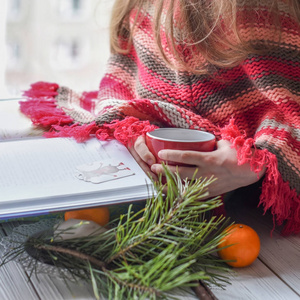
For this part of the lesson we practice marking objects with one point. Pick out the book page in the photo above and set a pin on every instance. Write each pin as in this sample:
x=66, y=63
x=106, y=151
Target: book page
x=43, y=168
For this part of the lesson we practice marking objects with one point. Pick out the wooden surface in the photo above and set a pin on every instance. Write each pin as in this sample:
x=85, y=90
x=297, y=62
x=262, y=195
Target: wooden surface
x=274, y=275
x=276, y=272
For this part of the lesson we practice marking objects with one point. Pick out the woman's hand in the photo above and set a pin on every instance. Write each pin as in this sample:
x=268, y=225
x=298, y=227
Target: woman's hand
x=143, y=156
x=221, y=163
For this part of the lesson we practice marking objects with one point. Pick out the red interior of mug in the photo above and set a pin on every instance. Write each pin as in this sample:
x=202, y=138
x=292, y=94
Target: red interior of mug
x=179, y=139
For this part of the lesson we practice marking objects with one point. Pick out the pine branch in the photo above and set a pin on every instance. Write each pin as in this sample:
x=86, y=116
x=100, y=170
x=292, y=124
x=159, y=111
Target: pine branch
x=170, y=243
x=202, y=292
x=73, y=253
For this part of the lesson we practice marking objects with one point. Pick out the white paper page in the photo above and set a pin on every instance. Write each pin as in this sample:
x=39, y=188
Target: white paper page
x=43, y=168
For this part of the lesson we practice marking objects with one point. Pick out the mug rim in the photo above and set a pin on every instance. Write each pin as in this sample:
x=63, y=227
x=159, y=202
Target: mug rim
x=206, y=136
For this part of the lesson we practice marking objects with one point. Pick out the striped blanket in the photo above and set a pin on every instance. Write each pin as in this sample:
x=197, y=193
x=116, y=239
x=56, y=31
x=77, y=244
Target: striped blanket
x=255, y=105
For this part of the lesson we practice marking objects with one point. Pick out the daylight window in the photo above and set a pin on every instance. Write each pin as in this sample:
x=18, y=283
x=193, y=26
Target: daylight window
x=67, y=54
x=76, y=5
x=63, y=41
x=14, y=9
x=70, y=8
x=13, y=55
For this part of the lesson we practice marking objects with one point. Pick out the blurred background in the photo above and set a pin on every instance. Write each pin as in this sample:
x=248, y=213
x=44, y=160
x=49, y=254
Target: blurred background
x=62, y=41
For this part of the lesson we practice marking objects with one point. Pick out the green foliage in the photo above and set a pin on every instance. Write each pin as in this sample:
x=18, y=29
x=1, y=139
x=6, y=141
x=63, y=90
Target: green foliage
x=171, y=243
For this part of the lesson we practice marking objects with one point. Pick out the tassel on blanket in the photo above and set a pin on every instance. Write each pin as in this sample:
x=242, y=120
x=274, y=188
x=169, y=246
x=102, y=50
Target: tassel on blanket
x=80, y=133
x=44, y=113
x=276, y=195
x=125, y=131
x=42, y=89
x=41, y=107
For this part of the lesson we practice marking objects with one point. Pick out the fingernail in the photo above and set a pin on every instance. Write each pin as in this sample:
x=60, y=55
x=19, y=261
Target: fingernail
x=150, y=162
x=161, y=154
x=153, y=168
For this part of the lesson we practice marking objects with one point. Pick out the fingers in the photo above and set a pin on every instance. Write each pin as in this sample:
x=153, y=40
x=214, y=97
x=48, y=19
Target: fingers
x=196, y=158
x=183, y=172
x=142, y=164
x=196, y=164
x=141, y=161
x=143, y=151
x=193, y=158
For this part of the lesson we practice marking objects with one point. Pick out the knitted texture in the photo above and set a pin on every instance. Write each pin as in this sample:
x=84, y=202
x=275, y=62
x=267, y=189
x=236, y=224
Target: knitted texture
x=255, y=105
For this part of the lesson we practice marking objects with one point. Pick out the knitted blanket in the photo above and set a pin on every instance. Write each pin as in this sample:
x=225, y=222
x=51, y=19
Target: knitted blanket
x=255, y=105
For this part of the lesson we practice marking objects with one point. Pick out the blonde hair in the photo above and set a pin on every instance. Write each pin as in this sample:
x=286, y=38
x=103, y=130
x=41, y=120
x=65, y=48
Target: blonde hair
x=206, y=27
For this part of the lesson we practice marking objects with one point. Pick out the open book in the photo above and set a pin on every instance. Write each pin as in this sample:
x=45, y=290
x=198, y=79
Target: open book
x=40, y=175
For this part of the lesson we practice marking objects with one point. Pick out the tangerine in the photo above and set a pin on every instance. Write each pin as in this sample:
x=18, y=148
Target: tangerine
x=242, y=245
x=99, y=215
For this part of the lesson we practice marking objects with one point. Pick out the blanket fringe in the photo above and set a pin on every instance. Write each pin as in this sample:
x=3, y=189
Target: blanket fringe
x=80, y=133
x=42, y=89
x=276, y=196
x=41, y=106
x=44, y=113
x=125, y=131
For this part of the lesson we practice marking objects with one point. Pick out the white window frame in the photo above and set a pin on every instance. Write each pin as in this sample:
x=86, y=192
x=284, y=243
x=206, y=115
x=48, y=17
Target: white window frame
x=3, y=56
